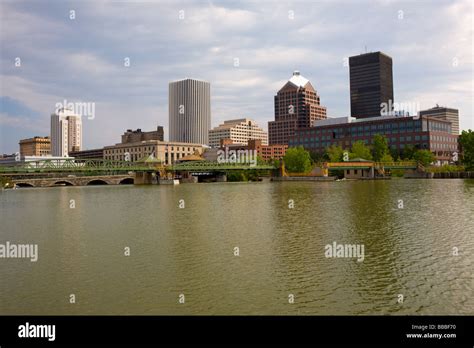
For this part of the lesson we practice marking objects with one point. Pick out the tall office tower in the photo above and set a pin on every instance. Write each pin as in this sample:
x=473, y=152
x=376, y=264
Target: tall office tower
x=371, y=84
x=444, y=113
x=66, y=132
x=297, y=105
x=189, y=111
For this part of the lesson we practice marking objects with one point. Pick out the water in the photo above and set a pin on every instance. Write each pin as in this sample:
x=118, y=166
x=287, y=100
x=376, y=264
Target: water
x=190, y=251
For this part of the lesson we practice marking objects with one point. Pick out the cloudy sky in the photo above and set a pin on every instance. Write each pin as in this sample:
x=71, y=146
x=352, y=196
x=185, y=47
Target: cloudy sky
x=82, y=59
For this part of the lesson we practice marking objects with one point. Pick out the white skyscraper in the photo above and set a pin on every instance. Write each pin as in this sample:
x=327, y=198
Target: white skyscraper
x=189, y=111
x=66, y=132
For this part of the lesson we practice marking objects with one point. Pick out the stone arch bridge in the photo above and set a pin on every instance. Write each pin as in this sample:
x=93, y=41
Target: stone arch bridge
x=75, y=181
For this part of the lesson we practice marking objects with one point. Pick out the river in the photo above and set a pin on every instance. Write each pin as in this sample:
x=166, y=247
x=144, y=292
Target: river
x=241, y=248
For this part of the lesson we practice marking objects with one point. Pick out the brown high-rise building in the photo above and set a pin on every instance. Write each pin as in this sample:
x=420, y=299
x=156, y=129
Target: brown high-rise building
x=297, y=105
x=371, y=84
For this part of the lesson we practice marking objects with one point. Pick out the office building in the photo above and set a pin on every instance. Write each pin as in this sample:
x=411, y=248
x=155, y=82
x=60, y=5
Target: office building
x=444, y=113
x=164, y=151
x=265, y=152
x=420, y=133
x=88, y=154
x=189, y=111
x=36, y=146
x=297, y=105
x=240, y=131
x=66, y=132
x=133, y=136
x=371, y=84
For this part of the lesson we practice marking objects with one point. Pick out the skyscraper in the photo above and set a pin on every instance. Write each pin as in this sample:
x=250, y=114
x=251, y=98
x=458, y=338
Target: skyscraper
x=371, y=84
x=297, y=105
x=444, y=113
x=189, y=111
x=66, y=132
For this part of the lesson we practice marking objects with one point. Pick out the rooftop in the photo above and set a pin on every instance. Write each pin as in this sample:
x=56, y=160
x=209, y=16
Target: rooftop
x=298, y=80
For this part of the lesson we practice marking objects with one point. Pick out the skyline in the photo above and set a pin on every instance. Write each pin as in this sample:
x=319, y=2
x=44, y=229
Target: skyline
x=90, y=51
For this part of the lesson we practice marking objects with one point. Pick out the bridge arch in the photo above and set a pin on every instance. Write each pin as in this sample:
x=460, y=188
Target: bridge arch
x=62, y=183
x=24, y=184
x=127, y=181
x=97, y=182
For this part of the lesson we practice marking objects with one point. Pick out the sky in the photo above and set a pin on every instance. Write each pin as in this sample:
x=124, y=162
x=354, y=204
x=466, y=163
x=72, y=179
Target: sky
x=49, y=54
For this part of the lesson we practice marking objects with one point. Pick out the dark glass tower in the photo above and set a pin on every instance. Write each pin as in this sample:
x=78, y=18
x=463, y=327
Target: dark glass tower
x=371, y=83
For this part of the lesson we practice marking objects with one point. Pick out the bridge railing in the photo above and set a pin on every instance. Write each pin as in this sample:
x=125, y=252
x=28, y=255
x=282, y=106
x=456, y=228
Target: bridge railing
x=402, y=164
x=206, y=165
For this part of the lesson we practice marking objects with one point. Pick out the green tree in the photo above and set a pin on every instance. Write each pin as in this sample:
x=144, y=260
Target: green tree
x=260, y=160
x=395, y=154
x=360, y=150
x=334, y=153
x=380, y=147
x=317, y=157
x=424, y=157
x=466, y=140
x=297, y=160
x=408, y=152
x=386, y=158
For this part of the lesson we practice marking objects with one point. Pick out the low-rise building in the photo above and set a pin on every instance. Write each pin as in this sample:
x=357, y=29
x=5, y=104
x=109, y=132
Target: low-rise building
x=88, y=154
x=36, y=146
x=134, y=136
x=401, y=132
x=240, y=131
x=164, y=151
x=34, y=161
x=265, y=152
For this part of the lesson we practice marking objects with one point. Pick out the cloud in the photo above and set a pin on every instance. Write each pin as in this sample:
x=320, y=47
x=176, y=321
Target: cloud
x=83, y=59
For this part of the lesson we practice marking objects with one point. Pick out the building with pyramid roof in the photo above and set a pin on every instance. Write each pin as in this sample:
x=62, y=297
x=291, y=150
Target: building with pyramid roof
x=297, y=105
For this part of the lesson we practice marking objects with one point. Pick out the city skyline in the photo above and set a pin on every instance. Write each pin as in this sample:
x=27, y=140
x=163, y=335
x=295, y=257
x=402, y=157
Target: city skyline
x=245, y=71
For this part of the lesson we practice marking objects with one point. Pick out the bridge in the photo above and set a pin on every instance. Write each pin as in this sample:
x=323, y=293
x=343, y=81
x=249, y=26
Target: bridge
x=75, y=181
x=205, y=166
x=79, y=166
x=370, y=164
x=81, y=172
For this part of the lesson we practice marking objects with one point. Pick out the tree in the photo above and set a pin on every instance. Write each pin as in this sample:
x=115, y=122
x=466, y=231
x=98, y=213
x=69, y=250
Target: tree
x=360, y=150
x=386, y=158
x=380, y=147
x=466, y=141
x=408, y=152
x=395, y=154
x=317, y=157
x=260, y=160
x=297, y=160
x=334, y=153
x=424, y=157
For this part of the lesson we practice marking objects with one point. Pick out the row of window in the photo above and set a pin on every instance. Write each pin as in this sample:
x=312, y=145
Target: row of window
x=444, y=139
x=367, y=141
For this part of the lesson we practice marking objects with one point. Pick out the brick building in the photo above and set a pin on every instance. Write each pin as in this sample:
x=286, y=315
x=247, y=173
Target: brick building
x=297, y=105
